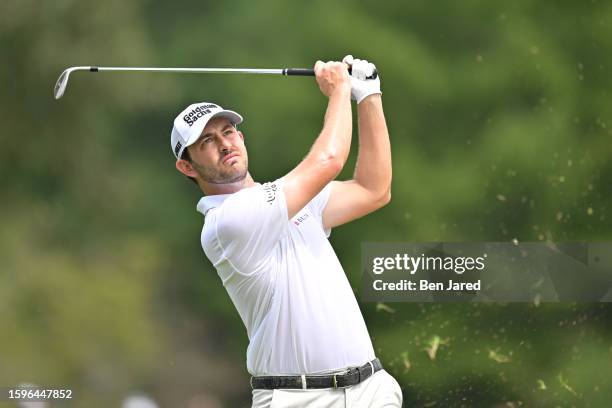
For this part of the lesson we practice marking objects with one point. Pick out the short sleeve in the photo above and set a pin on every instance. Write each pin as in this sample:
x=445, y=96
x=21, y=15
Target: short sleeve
x=250, y=223
x=318, y=203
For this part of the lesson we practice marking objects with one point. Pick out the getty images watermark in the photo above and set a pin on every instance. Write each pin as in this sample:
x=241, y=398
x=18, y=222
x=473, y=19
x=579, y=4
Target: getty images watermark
x=493, y=271
x=412, y=264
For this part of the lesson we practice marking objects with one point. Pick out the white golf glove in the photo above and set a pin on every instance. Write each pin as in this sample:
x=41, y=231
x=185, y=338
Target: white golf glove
x=360, y=86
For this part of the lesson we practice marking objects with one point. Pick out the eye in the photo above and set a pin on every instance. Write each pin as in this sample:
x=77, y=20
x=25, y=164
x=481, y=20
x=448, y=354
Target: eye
x=207, y=140
x=228, y=132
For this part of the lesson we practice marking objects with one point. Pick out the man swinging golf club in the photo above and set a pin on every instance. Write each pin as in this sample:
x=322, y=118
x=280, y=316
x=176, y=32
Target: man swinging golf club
x=308, y=342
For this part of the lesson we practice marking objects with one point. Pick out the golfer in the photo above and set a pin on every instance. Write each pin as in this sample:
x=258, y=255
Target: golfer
x=308, y=343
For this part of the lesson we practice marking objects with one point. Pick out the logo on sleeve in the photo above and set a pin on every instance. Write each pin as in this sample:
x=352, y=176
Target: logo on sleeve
x=270, y=192
x=301, y=219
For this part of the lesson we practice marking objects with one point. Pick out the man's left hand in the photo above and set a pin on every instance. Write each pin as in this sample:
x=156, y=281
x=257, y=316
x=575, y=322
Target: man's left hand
x=361, y=87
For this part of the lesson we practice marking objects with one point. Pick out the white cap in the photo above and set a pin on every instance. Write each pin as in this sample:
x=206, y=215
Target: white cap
x=190, y=123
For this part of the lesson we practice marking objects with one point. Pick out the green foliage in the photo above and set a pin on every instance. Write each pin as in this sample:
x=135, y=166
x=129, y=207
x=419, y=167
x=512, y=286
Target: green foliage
x=500, y=127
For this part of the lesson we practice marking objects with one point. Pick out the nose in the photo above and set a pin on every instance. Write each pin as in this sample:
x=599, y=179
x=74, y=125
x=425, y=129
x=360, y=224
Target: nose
x=225, y=145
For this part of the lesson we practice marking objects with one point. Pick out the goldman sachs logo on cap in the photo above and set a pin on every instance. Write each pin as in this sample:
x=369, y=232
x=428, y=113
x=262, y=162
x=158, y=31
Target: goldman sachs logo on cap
x=201, y=110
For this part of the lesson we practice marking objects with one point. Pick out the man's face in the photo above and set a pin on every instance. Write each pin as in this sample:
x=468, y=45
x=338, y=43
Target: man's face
x=219, y=155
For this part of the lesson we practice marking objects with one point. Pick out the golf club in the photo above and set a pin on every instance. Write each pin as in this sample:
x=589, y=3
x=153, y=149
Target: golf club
x=62, y=81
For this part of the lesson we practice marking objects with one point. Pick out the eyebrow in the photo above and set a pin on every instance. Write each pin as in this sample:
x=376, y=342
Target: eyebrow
x=222, y=130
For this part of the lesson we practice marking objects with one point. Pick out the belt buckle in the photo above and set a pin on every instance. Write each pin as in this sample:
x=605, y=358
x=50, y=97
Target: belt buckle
x=335, y=381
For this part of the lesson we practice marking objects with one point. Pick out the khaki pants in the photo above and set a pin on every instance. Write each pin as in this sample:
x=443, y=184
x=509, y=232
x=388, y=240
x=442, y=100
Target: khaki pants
x=379, y=391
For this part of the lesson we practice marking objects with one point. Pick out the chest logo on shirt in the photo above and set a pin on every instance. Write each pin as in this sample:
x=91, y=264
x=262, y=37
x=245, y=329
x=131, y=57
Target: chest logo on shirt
x=270, y=192
x=301, y=219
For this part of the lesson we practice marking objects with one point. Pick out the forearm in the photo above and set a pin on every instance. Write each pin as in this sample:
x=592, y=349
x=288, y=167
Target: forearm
x=373, y=167
x=334, y=141
x=326, y=157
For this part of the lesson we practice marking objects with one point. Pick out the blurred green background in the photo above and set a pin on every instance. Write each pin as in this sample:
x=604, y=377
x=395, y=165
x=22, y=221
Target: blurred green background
x=499, y=116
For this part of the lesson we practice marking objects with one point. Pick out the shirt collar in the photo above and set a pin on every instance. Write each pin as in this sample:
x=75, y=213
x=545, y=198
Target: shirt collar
x=209, y=202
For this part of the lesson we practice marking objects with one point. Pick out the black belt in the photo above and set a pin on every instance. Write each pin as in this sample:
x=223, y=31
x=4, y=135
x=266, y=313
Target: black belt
x=353, y=376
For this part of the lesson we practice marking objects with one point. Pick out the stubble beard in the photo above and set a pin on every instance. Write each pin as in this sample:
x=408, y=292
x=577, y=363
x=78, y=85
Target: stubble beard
x=216, y=175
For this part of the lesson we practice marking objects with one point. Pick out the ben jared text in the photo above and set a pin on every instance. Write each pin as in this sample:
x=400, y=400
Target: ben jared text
x=425, y=285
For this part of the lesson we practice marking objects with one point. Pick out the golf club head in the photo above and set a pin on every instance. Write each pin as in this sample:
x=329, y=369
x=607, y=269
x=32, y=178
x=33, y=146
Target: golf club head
x=62, y=82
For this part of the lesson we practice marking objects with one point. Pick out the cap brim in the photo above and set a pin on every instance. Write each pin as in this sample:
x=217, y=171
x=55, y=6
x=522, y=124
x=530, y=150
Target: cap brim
x=196, y=131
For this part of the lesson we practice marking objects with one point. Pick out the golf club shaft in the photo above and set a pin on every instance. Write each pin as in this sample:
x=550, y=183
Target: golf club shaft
x=283, y=71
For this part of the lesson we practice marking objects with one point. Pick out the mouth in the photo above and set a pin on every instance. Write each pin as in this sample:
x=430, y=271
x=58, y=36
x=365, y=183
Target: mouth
x=229, y=157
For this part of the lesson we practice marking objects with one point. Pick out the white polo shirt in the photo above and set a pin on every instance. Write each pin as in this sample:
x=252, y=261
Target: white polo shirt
x=286, y=282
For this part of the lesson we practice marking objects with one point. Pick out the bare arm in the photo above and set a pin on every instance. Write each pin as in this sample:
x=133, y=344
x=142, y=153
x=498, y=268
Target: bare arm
x=370, y=187
x=330, y=150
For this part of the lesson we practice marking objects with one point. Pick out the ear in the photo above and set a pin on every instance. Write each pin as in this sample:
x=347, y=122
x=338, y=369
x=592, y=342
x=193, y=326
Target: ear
x=186, y=168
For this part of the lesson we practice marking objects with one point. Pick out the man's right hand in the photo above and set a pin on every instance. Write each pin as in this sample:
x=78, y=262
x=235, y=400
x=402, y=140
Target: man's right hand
x=332, y=77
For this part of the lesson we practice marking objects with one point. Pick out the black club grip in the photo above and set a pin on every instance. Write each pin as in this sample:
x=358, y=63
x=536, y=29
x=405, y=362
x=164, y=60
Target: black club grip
x=310, y=72
x=298, y=71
